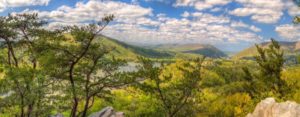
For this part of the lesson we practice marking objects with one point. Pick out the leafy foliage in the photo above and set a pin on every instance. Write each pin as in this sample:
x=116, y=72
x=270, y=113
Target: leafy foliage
x=174, y=89
x=77, y=71
x=271, y=62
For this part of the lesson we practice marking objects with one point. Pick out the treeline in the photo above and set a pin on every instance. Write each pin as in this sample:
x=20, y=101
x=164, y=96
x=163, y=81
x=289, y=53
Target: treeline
x=68, y=70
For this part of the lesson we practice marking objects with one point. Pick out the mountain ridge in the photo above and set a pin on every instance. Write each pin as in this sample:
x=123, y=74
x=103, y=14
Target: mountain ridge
x=160, y=51
x=196, y=48
x=289, y=48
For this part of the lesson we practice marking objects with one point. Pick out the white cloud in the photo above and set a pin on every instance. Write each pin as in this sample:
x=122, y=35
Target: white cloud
x=289, y=31
x=201, y=28
x=197, y=14
x=293, y=9
x=263, y=11
x=201, y=4
x=137, y=24
x=161, y=1
x=246, y=26
x=255, y=29
x=184, y=2
x=208, y=18
x=185, y=14
x=2, y=7
x=95, y=10
x=19, y=3
x=239, y=24
x=217, y=9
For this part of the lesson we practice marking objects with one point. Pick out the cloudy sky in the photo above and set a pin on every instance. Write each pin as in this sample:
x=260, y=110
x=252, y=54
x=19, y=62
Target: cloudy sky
x=230, y=25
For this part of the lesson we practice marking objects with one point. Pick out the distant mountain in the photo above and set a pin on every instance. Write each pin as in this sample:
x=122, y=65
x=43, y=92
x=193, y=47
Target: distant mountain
x=128, y=51
x=192, y=49
x=131, y=52
x=290, y=49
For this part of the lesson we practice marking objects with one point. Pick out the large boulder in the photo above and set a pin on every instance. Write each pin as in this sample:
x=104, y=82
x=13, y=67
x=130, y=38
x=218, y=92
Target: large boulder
x=270, y=108
x=107, y=112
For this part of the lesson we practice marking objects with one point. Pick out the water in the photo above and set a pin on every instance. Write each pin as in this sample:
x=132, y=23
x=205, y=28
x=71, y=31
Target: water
x=130, y=67
x=133, y=67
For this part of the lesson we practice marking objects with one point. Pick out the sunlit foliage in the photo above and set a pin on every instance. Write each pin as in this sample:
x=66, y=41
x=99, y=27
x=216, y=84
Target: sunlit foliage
x=74, y=71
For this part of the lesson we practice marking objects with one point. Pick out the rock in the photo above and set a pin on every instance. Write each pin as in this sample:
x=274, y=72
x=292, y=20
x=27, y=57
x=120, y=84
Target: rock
x=107, y=112
x=270, y=108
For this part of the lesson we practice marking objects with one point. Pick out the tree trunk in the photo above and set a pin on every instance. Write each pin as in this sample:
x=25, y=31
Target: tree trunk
x=8, y=57
x=74, y=109
x=22, y=114
x=30, y=109
x=86, y=107
x=11, y=52
x=75, y=99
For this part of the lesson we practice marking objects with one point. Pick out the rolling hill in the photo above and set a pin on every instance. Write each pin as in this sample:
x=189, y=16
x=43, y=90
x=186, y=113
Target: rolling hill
x=289, y=48
x=169, y=51
x=131, y=52
x=192, y=49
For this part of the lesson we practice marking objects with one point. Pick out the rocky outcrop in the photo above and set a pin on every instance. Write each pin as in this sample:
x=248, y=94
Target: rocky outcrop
x=270, y=108
x=107, y=112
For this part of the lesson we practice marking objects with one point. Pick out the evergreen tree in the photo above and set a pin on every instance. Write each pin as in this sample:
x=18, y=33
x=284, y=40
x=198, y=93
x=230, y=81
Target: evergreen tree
x=80, y=61
x=271, y=61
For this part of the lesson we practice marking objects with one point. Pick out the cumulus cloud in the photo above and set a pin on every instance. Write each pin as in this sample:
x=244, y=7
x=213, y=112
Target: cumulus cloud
x=217, y=9
x=246, y=26
x=293, y=9
x=161, y=1
x=184, y=2
x=2, y=7
x=201, y=28
x=201, y=4
x=289, y=31
x=183, y=31
x=95, y=10
x=19, y=3
x=185, y=14
x=239, y=24
x=263, y=11
x=138, y=24
x=255, y=29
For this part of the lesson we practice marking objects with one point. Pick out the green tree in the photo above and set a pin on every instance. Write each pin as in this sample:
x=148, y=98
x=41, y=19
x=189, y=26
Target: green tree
x=79, y=60
x=235, y=105
x=271, y=61
x=26, y=89
x=298, y=59
x=173, y=91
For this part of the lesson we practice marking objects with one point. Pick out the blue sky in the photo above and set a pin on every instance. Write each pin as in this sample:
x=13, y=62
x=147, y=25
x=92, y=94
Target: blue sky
x=230, y=25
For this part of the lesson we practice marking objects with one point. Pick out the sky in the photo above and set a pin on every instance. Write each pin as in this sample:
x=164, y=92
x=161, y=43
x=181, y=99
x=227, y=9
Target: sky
x=230, y=25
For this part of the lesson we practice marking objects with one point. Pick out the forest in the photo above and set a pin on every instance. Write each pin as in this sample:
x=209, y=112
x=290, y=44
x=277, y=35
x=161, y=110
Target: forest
x=73, y=72
x=76, y=71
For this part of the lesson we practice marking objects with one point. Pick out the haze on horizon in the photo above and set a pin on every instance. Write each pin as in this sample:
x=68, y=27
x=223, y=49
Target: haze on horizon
x=230, y=25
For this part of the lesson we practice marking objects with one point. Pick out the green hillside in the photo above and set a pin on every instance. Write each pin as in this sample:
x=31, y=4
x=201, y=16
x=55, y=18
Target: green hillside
x=130, y=52
x=290, y=48
x=193, y=49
